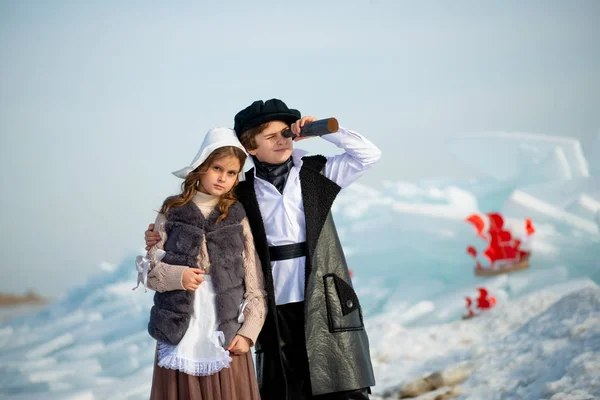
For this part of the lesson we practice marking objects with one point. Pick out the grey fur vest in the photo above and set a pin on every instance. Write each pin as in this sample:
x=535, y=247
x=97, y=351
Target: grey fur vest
x=186, y=227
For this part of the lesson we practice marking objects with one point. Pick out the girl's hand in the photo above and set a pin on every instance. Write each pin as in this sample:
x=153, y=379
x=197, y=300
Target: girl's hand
x=239, y=345
x=297, y=127
x=151, y=237
x=192, y=278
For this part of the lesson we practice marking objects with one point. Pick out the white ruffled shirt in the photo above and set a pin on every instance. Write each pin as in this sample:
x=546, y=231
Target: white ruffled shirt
x=283, y=213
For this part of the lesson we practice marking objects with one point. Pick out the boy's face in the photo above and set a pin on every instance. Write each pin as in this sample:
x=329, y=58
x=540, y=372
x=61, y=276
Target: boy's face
x=272, y=146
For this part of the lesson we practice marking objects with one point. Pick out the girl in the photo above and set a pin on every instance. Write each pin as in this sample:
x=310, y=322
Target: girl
x=210, y=301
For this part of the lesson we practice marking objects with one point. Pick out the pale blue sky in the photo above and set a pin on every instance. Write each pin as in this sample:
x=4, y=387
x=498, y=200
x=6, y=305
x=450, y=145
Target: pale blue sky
x=100, y=101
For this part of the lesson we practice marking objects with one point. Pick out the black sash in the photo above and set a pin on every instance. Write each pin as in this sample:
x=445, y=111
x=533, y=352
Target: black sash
x=287, y=251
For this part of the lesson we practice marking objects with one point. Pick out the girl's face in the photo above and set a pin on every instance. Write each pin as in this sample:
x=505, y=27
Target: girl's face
x=220, y=177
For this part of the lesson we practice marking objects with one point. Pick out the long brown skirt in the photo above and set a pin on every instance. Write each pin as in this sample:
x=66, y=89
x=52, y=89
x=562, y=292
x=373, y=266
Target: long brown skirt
x=238, y=382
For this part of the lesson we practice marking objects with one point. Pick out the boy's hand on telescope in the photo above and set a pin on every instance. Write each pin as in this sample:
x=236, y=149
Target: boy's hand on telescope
x=296, y=127
x=151, y=237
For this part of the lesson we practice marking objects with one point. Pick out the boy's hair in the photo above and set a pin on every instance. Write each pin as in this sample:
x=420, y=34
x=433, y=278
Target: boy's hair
x=191, y=184
x=248, y=137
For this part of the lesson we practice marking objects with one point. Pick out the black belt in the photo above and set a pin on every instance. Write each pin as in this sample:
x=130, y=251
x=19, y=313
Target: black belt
x=287, y=251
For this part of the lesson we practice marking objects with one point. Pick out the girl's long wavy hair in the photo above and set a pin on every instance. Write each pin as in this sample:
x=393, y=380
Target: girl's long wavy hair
x=191, y=184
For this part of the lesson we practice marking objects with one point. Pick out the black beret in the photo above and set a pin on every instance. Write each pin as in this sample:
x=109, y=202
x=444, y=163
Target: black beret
x=260, y=112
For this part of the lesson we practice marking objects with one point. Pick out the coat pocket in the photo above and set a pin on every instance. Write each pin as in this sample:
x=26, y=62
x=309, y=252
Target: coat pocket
x=343, y=310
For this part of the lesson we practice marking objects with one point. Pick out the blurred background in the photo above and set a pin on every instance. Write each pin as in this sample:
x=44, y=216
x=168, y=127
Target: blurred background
x=101, y=101
x=477, y=107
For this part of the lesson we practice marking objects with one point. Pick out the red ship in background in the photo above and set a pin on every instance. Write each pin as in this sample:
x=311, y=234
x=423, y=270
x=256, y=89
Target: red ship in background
x=483, y=302
x=504, y=252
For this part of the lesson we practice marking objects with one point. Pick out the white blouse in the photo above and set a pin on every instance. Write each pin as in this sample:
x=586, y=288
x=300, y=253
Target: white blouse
x=283, y=213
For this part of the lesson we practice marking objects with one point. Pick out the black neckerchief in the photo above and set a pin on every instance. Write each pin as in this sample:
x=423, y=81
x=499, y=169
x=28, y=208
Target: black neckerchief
x=276, y=174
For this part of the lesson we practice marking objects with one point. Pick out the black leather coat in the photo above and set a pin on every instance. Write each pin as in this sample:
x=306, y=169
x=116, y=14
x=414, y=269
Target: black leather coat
x=336, y=341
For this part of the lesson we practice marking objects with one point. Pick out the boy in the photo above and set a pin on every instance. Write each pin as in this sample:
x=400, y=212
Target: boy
x=313, y=344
